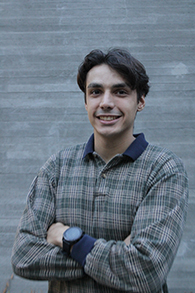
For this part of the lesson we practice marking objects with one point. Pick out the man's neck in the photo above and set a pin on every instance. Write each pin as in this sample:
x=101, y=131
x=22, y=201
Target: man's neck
x=107, y=147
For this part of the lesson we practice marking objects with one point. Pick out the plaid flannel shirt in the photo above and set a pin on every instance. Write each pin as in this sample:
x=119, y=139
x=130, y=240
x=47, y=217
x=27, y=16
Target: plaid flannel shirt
x=142, y=193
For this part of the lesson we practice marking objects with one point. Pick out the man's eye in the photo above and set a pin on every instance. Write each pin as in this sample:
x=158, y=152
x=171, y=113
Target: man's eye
x=121, y=92
x=95, y=92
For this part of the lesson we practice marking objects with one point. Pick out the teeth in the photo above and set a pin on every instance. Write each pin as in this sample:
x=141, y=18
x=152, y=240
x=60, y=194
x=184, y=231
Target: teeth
x=108, y=118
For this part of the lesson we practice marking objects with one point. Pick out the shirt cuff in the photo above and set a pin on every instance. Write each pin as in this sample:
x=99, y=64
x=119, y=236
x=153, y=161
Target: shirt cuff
x=81, y=249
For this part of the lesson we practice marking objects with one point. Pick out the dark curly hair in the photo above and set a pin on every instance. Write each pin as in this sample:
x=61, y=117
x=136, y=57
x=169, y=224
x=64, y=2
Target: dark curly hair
x=129, y=68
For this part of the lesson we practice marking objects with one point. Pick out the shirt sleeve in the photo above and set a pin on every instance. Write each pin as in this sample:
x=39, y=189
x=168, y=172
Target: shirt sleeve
x=32, y=256
x=143, y=265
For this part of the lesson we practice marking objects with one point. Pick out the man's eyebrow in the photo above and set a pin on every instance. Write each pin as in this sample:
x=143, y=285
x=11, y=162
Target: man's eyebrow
x=94, y=85
x=98, y=85
x=120, y=85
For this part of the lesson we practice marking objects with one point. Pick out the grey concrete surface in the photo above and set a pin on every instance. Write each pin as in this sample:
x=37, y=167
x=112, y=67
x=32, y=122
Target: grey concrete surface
x=42, y=43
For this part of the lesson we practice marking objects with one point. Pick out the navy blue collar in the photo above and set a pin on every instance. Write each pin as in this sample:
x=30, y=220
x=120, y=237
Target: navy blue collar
x=135, y=149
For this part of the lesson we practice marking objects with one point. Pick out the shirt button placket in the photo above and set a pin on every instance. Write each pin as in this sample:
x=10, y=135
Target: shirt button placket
x=104, y=175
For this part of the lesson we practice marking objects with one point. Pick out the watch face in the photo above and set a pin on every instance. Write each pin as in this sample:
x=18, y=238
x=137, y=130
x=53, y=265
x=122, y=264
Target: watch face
x=73, y=233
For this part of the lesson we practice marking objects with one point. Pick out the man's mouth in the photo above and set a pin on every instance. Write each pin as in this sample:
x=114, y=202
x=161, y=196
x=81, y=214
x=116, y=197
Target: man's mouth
x=108, y=118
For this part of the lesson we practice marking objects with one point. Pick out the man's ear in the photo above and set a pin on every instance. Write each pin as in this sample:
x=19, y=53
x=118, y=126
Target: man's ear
x=86, y=108
x=141, y=104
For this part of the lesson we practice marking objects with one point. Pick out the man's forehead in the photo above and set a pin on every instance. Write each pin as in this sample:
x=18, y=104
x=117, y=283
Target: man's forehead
x=102, y=74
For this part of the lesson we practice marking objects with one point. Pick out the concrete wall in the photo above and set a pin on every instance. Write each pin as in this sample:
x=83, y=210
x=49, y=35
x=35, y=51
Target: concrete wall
x=42, y=43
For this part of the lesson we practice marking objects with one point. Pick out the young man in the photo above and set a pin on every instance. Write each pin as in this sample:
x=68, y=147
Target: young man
x=107, y=215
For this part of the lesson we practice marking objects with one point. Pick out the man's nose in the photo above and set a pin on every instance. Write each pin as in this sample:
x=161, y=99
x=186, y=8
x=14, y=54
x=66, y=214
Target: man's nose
x=107, y=101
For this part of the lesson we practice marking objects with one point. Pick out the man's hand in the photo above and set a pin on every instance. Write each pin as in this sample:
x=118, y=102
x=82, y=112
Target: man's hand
x=127, y=240
x=55, y=233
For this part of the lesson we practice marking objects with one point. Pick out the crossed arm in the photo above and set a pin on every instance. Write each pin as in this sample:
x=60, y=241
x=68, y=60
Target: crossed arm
x=144, y=260
x=56, y=230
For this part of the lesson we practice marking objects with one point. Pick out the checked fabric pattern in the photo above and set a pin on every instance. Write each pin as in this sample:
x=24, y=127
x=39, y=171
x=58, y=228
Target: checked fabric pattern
x=144, y=197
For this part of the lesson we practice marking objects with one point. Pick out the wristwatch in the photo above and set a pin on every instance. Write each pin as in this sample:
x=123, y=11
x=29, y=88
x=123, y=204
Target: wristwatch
x=71, y=236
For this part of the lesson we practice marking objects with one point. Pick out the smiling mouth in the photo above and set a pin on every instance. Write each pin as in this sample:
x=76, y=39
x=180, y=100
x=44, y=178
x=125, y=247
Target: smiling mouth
x=108, y=118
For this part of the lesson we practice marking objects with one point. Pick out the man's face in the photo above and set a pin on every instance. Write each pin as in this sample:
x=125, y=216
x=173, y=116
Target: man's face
x=110, y=103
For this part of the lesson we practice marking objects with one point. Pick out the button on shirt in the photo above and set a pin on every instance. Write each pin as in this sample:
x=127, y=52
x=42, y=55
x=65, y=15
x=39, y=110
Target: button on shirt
x=142, y=192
